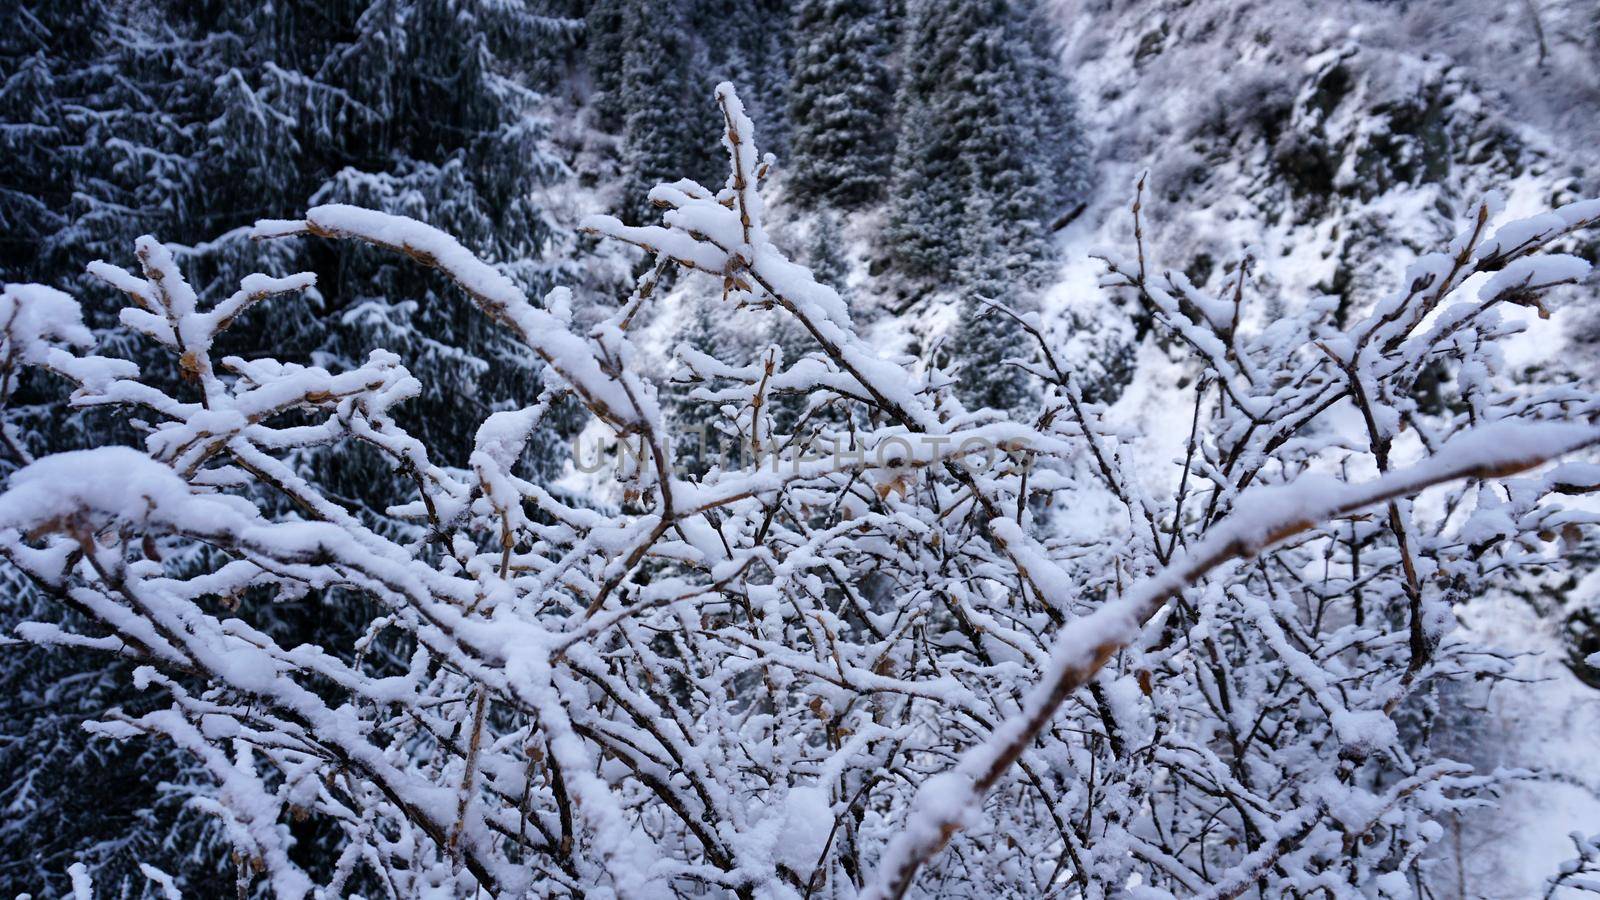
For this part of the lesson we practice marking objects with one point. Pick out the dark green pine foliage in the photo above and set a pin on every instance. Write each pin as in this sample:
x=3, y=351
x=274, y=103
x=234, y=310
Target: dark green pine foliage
x=189, y=120
x=101, y=144
x=984, y=337
x=223, y=113
x=605, y=42
x=669, y=124
x=989, y=156
x=698, y=442
x=931, y=173
x=89, y=158
x=652, y=67
x=986, y=122
x=46, y=55
x=841, y=103
x=748, y=43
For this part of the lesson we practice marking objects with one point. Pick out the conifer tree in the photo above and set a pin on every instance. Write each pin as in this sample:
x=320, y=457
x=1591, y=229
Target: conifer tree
x=88, y=160
x=984, y=119
x=985, y=337
x=664, y=130
x=825, y=254
x=989, y=155
x=840, y=103
x=39, y=54
x=745, y=42
x=192, y=120
x=605, y=45
x=651, y=61
x=699, y=443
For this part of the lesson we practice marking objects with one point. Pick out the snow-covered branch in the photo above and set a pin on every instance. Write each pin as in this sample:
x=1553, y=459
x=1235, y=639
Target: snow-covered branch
x=872, y=661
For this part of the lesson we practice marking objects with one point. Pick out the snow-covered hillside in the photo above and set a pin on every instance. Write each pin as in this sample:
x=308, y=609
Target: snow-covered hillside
x=1332, y=142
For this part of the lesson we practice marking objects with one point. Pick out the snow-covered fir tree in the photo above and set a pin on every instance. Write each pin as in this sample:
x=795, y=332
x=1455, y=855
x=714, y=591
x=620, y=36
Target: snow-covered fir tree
x=663, y=131
x=190, y=124
x=747, y=42
x=988, y=340
x=987, y=139
x=989, y=156
x=605, y=48
x=825, y=253
x=841, y=102
x=88, y=158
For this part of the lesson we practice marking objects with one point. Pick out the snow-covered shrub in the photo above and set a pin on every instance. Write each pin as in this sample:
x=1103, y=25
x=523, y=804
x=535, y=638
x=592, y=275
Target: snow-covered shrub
x=906, y=647
x=1582, y=873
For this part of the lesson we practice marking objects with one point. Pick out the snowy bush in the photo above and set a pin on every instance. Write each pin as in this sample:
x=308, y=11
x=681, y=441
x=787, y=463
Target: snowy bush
x=1579, y=873
x=908, y=648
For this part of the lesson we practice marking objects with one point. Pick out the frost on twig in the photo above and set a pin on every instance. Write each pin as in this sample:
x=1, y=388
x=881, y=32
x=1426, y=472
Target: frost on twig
x=870, y=667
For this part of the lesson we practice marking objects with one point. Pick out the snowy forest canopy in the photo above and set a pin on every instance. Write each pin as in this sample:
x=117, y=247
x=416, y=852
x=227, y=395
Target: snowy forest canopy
x=798, y=448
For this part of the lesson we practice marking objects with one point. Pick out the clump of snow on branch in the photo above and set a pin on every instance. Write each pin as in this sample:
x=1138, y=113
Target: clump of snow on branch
x=871, y=668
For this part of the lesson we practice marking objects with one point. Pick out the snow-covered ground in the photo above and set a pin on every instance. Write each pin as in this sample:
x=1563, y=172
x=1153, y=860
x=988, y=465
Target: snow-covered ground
x=1548, y=723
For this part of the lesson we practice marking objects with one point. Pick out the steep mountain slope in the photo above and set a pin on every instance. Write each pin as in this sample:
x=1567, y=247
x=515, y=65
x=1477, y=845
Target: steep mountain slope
x=1336, y=138
x=1331, y=143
